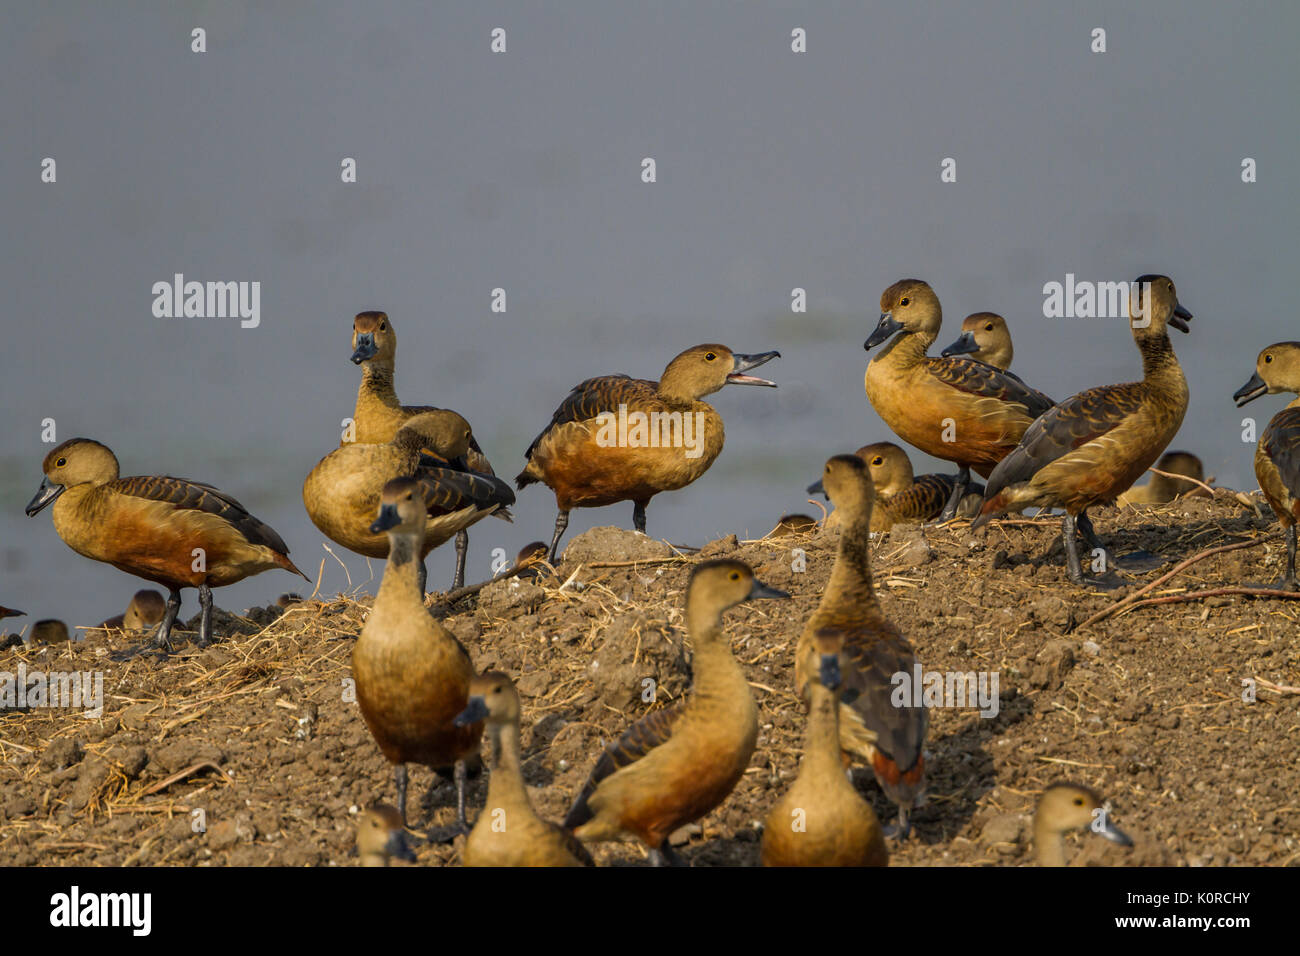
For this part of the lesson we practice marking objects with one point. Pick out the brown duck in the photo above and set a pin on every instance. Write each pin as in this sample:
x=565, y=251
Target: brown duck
x=887, y=737
x=174, y=532
x=412, y=675
x=1161, y=489
x=953, y=408
x=675, y=765
x=379, y=414
x=904, y=498
x=342, y=492
x=1093, y=446
x=509, y=832
x=1064, y=807
x=381, y=837
x=822, y=820
x=147, y=608
x=617, y=438
x=1277, y=454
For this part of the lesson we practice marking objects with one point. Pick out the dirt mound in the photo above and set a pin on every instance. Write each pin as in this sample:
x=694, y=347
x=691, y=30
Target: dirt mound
x=251, y=752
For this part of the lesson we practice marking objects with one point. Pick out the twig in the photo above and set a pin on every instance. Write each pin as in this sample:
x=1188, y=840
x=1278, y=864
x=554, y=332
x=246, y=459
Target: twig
x=182, y=774
x=1200, y=556
x=1195, y=481
x=1216, y=592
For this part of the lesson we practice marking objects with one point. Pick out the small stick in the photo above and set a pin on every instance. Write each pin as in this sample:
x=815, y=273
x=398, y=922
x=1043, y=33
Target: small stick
x=1166, y=474
x=1216, y=592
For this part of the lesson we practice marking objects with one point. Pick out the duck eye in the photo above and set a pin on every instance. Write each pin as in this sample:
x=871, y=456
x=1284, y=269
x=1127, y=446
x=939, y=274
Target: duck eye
x=877, y=461
x=710, y=356
x=989, y=327
x=1078, y=801
x=1267, y=359
x=63, y=461
x=735, y=575
x=904, y=301
x=383, y=326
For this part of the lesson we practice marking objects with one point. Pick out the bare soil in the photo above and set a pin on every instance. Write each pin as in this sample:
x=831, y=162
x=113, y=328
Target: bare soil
x=1145, y=706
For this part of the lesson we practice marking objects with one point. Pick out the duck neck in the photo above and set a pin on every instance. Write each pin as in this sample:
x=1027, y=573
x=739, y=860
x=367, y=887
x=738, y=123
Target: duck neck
x=850, y=582
x=506, y=782
x=715, y=669
x=1050, y=844
x=1158, y=359
x=822, y=741
x=377, y=384
x=906, y=349
x=676, y=389
x=402, y=573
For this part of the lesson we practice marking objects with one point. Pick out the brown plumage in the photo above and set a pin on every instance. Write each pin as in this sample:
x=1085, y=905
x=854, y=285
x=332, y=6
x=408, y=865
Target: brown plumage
x=1068, y=806
x=379, y=414
x=887, y=737
x=1091, y=447
x=412, y=675
x=821, y=820
x=174, y=532
x=342, y=492
x=49, y=631
x=903, y=498
x=1277, y=454
x=794, y=524
x=381, y=836
x=584, y=459
x=953, y=408
x=675, y=765
x=147, y=608
x=1161, y=490
x=986, y=338
x=509, y=832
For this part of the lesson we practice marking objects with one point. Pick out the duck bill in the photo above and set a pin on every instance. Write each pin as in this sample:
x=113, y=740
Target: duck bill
x=1112, y=833
x=887, y=327
x=45, y=495
x=1247, y=393
x=388, y=518
x=399, y=846
x=830, y=671
x=761, y=590
x=744, y=363
x=1179, y=319
x=964, y=345
x=817, y=488
x=365, y=348
x=475, y=711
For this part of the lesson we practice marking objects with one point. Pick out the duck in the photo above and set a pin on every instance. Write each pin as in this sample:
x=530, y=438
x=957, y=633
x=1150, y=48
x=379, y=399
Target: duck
x=1277, y=454
x=48, y=631
x=412, y=675
x=379, y=414
x=793, y=524
x=381, y=836
x=953, y=408
x=888, y=737
x=146, y=608
x=172, y=531
x=342, y=491
x=509, y=832
x=904, y=498
x=822, y=820
x=676, y=764
x=1161, y=489
x=986, y=338
x=1091, y=447
x=617, y=438
x=1068, y=806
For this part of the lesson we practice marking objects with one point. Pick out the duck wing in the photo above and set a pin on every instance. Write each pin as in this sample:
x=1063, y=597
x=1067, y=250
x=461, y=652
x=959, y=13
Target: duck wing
x=186, y=495
x=1281, y=442
x=638, y=740
x=874, y=655
x=601, y=394
x=976, y=378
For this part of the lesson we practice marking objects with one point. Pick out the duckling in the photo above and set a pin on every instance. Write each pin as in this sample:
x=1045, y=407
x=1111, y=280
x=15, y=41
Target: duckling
x=889, y=738
x=379, y=414
x=509, y=832
x=48, y=631
x=953, y=408
x=381, y=835
x=1161, y=490
x=1093, y=446
x=1064, y=807
x=342, y=492
x=821, y=820
x=584, y=459
x=171, y=531
x=674, y=765
x=1277, y=455
x=412, y=675
x=902, y=498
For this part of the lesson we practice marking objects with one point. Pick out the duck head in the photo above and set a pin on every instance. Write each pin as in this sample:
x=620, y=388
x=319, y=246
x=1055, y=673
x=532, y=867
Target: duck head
x=984, y=337
x=1276, y=370
x=704, y=369
x=1155, y=307
x=373, y=339
x=908, y=305
x=77, y=461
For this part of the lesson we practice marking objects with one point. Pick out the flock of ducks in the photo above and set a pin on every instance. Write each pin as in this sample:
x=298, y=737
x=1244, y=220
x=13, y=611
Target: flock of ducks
x=406, y=479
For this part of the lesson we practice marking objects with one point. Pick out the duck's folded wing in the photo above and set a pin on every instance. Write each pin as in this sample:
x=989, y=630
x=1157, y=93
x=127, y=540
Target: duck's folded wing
x=1281, y=441
x=186, y=495
x=1063, y=428
x=602, y=394
x=924, y=500
x=976, y=378
x=638, y=740
x=874, y=656
x=450, y=489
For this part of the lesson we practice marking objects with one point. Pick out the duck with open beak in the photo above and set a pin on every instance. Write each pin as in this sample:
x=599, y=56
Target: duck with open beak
x=743, y=363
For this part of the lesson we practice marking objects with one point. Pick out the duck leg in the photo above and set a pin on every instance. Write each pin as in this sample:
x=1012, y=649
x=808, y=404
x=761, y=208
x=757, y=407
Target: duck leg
x=162, y=640
x=1068, y=528
x=205, y=620
x=462, y=547
x=460, y=774
x=561, y=523
x=958, y=492
x=400, y=778
x=638, y=516
x=1289, y=583
x=1135, y=561
x=422, y=575
x=903, y=828
x=665, y=855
